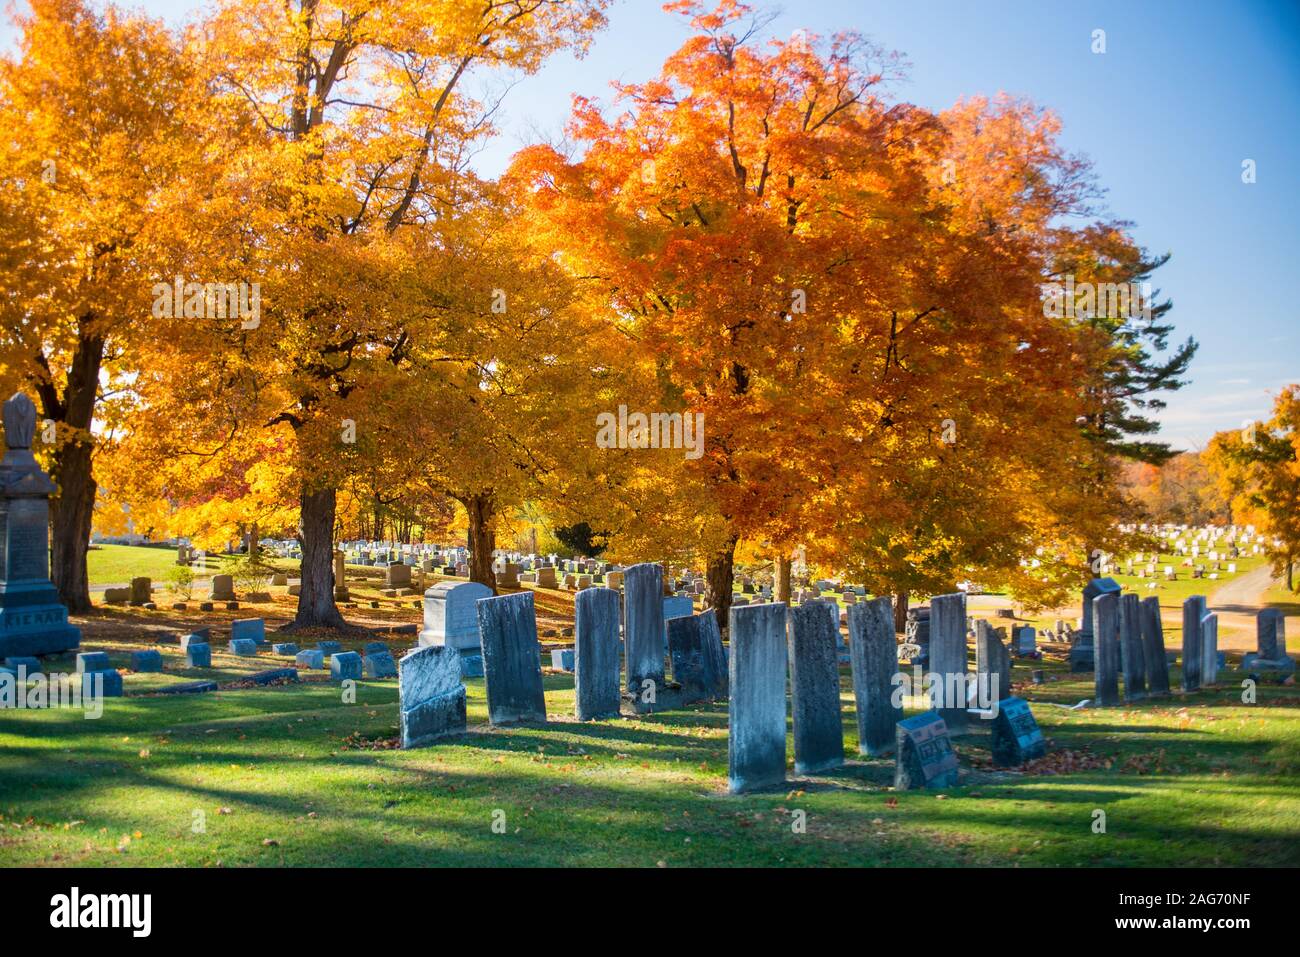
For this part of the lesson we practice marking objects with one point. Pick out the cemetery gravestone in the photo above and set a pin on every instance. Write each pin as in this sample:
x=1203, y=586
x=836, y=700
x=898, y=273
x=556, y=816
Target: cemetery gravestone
x=253, y=629
x=1132, y=654
x=1016, y=736
x=244, y=647
x=873, y=658
x=756, y=678
x=146, y=661
x=925, y=757
x=992, y=666
x=1105, y=622
x=1270, y=653
x=815, y=690
x=1153, y=647
x=431, y=695
x=450, y=616
x=32, y=619
x=595, y=659
x=345, y=666
x=310, y=658
x=1209, y=650
x=223, y=588
x=699, y=663
x=917, y=633
x=198, y=654
x=380, y=665
x=1083, y=652
x=511, y=658
x=1193, y=612
x=644, y=632
x=948, y=659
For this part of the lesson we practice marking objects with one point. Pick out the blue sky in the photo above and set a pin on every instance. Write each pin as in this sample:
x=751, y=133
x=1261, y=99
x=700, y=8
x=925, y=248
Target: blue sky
x=1183, y=94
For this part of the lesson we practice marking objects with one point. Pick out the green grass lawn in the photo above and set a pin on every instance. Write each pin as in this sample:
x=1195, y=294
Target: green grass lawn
x=292, y=775
x=118, y=564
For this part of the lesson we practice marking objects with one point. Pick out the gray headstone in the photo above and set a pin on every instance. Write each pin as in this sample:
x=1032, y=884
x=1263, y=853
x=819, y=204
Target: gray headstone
x=93, y=661
x=146, y=661
x=379, y=665
x=1153, y=647
x=1082, y=651
x=1270, y=634
x=345, y=666
x=925, y=758
x=595, y=659
x=873, y=655
x=285, y=648
x=310, y=658
x=1016, y=737
x=756, y=717
x=450, y=617
x=1105, y=622
x=992, y=664
x=432, y=697
x=1193, y=612
x=244, y=647
x=699, y=663
x=1132, y=651
x=815, y=689
x=329, y=647
x=251, y=628
x=644, y=633
x=511, y=658
x=198, y=654
x=1209, y=650
x=948, y=658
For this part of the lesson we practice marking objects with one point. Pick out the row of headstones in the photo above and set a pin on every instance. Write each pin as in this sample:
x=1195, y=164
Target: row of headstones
x=763, y=639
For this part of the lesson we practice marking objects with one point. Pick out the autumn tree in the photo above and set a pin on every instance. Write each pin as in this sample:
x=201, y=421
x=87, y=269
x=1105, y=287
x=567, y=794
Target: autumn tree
x=1260, y=467
x=97, y=114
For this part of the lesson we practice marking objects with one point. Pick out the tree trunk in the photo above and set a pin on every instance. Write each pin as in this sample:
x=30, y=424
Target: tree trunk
x=481, y=539
x=316, y=608
x=781, y=592
x=1290, y=576
x=71, y=512
x=72, y=509
x=254, y=549
x=719, y=578
x=900, y=613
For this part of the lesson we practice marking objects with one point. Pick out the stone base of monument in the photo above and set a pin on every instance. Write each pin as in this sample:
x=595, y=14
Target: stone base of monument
x=35, y=627
x=667, y=697
x=258, y=596
x=1082, y=656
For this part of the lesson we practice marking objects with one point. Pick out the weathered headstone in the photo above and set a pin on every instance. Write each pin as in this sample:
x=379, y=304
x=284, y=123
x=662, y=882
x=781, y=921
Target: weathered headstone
x=379, y=665
x=146, y=661
x=948, y=658
x=141, y=590
x=1083, y=651
x=285, y=648
x=1153, y=647
x=251, y=628
x=431, y=694
x=1270, y=653
x=873, y=656
x=311, y=658
x=1024, y=641
x=925, y=758
x=32, y=619
x=992, y=666
x=1209, y=650
x=397, y=577
x=699, y=663
x=756, y=716
x=1193, y=612
x=450, y=617
x=1105, y=623
x=1132, y=652
x=93, y=661
x=511, y=658
x=340, y=576
x=815, y=690
x=1016, y=737
x=644, y=633
x=917, y=635
x=345, y=666
x=595, y=658
x=244, y=647
x=198, y=654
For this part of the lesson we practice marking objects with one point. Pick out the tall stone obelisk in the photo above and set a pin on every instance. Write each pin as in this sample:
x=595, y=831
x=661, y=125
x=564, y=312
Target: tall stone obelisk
x=32, y=619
